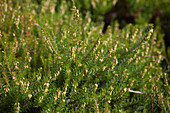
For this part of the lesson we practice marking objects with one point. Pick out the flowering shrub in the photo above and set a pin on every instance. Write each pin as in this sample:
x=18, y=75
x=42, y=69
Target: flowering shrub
x=59, y=62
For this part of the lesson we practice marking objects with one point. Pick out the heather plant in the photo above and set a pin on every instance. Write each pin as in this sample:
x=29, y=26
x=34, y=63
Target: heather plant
x=61, y=62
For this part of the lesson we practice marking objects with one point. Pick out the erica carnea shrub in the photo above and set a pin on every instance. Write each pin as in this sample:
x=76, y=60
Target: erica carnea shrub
x=61, y=62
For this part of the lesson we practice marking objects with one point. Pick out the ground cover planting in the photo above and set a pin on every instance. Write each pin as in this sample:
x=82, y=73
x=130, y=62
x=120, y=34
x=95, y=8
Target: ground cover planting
x=54, y=58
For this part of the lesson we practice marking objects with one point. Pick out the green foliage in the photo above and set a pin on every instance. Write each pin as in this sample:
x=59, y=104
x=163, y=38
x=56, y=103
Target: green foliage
x=60, y=62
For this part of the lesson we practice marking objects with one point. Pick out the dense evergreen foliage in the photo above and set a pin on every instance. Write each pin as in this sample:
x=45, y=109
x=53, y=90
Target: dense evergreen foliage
x=55, y=57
